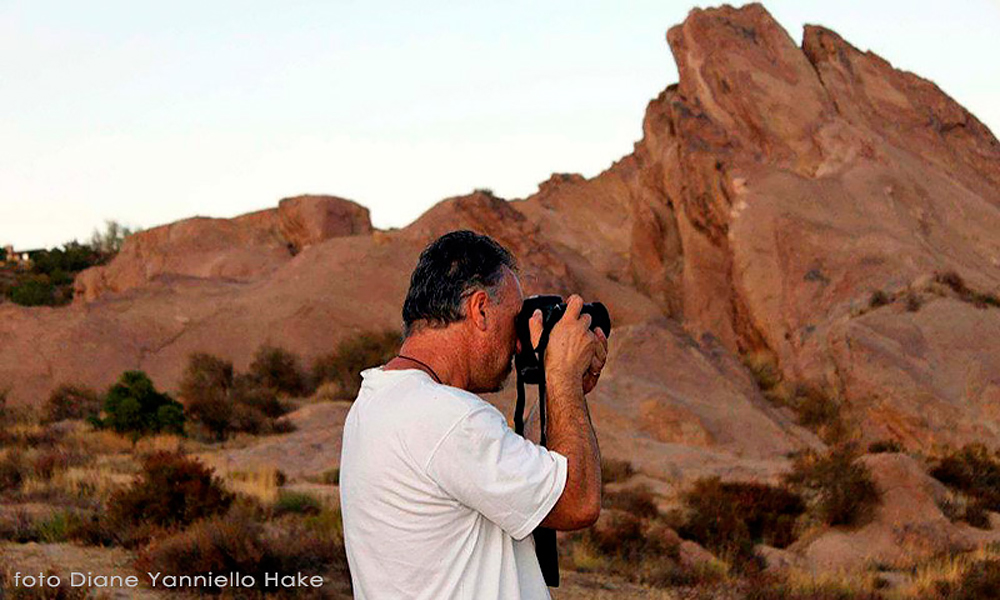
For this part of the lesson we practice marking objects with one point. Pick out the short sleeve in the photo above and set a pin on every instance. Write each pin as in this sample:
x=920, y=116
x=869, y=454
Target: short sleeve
x=483, y=464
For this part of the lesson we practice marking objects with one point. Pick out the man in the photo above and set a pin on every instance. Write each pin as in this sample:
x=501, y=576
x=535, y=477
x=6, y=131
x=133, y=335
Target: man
x=439, y=495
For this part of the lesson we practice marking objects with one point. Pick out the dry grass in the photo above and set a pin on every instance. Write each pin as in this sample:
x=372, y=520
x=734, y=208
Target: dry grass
x=261, y=483
x=92, y=442
x=949, y=570
x=165, y=442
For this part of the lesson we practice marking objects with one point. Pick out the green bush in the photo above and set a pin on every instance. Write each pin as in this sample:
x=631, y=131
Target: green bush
x=33, y=290
x=277, y=369
x=839, y=488
x=172, y=491
x=71, y=402
x=731, y=517
x=343, y=366
x=134, y=406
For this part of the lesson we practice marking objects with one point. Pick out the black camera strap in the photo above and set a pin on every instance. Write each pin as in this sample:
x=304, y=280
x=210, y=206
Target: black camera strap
x=545, y=538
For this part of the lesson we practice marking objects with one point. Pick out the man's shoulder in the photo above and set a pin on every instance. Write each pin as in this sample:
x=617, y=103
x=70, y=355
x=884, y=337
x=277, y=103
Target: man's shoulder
x=416, y=395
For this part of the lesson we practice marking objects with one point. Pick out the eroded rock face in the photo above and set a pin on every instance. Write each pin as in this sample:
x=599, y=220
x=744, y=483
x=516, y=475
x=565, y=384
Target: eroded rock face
x=246, y=248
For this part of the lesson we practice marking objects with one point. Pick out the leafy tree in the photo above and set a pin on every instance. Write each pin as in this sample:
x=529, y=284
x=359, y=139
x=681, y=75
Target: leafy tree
x=111, y=239
x=133, y=405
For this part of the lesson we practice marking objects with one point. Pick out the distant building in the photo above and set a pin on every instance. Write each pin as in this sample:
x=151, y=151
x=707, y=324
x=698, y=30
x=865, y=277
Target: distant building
x=18, y=257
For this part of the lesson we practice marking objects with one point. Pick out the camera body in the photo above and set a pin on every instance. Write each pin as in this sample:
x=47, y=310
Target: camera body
x=529, y=368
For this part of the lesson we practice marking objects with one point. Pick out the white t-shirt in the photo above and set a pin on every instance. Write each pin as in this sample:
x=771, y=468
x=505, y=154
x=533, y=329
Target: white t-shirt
x=439, y=495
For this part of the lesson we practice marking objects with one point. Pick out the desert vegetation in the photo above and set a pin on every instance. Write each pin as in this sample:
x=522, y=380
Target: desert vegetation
x=337, y=374
x=47, y=278
x=65, y=480
x=222, y=402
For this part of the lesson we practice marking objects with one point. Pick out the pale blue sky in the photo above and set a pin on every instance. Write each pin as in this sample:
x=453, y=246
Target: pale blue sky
x=151, y=112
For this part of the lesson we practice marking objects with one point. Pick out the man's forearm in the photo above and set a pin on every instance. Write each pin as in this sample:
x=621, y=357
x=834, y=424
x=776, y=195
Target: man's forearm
x=569, y=432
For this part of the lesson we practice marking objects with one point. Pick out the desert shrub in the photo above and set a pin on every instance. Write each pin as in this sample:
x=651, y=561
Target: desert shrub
x=763, y=366
x=134, y=406
x=32, y=290
x=913, y=301
x=247, y=392
x=878, y=298
x=172, y=490
x=354, y=354
x=815, y=408
x=974, y=471
x=640, y=550
x=14, y=467
x=239, y=542
x=637, y=501
x=233, y=542
x=885, y=447
x=277, y=369
x=954, y=281
x=47, y=461
x=977, y=515
x=623, y=535
x=71, y=402
x=731, y=517
x=296, y=502
x=225, y=402
x=614, y=470
x=206, y=388
x=839, y=489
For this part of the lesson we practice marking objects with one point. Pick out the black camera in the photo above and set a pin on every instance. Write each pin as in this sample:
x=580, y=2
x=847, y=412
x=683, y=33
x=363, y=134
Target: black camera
x=530, y=363
x=526, y=361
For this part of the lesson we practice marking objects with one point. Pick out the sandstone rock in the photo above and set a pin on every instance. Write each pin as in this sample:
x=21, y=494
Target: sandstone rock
x=307, y=220
x=693, y=555
x=245, y=248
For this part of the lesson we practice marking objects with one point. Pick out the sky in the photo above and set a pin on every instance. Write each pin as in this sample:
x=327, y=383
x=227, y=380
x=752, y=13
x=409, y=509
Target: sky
x=150, y=112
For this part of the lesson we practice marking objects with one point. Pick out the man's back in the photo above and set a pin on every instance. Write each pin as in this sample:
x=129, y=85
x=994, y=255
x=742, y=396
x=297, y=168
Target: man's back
x=439, y=496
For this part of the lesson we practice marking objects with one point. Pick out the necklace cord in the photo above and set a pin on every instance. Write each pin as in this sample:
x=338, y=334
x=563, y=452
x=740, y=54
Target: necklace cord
x=423, y=364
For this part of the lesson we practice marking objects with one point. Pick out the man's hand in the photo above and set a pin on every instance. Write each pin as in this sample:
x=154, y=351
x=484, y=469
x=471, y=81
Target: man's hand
x=573, y=344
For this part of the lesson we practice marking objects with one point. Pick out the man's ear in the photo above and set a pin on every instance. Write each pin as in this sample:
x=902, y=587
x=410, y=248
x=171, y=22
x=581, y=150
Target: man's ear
x=476, y=309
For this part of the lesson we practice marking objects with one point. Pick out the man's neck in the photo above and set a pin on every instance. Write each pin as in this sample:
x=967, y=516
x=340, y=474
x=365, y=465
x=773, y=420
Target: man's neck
x=439, y=349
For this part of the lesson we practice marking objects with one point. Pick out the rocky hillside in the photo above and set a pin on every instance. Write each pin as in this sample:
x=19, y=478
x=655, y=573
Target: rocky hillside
x=810, y=209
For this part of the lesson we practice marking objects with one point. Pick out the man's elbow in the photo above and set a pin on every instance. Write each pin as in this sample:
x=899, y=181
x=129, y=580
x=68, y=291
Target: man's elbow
x=573, y=514
x=591, y=511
